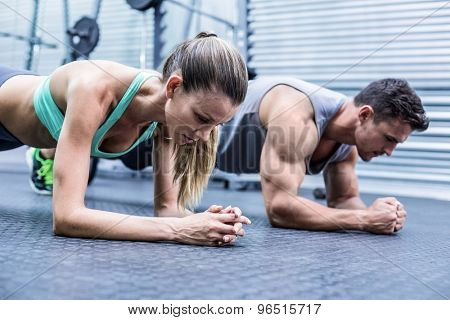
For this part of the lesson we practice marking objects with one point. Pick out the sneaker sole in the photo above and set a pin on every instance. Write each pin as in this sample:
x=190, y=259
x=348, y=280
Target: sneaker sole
x=41, y=192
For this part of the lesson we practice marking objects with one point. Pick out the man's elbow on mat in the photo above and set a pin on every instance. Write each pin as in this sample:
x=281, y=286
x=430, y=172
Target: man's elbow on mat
x=278, y=212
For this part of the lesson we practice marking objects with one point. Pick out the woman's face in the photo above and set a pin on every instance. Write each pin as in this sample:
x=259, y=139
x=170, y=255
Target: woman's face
x=192, y=116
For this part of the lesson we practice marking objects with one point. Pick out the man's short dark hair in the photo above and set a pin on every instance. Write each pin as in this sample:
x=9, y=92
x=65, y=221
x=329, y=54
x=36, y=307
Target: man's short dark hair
x=394, y=99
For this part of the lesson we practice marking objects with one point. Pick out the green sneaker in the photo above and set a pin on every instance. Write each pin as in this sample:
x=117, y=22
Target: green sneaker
x=41, y=180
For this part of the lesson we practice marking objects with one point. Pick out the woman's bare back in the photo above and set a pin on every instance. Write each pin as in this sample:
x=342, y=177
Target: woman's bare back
x=17, y=112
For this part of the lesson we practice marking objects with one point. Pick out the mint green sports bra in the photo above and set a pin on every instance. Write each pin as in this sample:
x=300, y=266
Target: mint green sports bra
x=52, y=118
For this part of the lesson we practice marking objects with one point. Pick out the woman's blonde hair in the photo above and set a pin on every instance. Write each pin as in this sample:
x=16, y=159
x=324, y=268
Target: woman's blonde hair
x=206, y=63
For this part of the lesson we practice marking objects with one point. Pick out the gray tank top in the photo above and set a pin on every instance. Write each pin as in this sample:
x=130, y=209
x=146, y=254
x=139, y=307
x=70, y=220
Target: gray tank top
x=242, y=138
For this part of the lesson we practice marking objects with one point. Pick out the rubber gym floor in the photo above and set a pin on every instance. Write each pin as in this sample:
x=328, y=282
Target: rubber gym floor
x=268, y=263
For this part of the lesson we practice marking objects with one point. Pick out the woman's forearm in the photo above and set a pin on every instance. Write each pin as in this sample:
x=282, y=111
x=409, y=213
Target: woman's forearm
x=96, y=224
x=172, y=212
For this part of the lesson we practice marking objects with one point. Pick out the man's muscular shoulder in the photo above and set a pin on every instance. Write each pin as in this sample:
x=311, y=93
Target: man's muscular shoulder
x=286, y=102
x=288, y=116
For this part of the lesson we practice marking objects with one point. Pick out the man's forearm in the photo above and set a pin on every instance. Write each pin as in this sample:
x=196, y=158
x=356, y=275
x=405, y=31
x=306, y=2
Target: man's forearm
x=301, y=213
x=353, y=203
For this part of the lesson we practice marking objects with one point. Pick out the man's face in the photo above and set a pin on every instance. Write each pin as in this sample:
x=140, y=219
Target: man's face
x=375, y=139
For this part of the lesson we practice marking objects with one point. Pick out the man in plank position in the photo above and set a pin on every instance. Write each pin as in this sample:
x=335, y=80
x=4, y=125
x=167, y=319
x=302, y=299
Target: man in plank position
x=287, y=128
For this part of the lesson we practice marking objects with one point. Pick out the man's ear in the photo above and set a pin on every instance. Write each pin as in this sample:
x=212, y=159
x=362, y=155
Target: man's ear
x=175, y=81
x=365, y=113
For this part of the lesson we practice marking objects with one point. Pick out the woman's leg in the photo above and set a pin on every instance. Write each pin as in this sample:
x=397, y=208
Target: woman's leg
x=40, y=162
x=7, y=140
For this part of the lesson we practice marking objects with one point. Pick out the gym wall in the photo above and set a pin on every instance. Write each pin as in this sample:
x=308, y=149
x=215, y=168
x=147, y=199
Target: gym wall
x=344, y=45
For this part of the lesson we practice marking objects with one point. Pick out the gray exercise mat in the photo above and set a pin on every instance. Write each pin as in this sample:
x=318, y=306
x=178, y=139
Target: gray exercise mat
x=268, y=263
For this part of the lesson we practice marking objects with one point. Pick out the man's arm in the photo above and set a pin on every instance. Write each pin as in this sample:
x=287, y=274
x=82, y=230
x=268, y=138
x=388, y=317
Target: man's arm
x=280, y=181
x=342, y=193
x=291, y=137
x=341, y=184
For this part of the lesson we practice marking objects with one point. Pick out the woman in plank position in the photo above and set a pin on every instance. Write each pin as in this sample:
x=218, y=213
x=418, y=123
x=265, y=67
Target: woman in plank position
x=105, y=109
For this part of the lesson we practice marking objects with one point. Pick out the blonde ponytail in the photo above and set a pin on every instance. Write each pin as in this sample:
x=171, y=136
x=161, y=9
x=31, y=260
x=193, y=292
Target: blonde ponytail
x=193, y=166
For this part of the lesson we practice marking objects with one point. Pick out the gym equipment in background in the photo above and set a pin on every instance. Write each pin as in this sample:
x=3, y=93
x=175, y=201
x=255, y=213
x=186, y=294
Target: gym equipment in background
x=144, y=5
x=34, y=42
x=83, y=37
